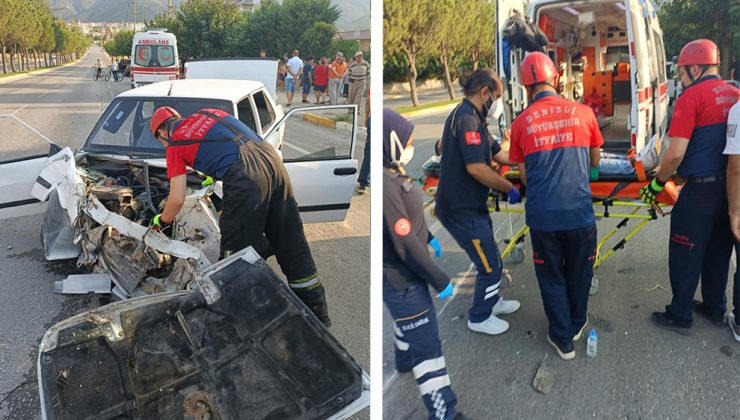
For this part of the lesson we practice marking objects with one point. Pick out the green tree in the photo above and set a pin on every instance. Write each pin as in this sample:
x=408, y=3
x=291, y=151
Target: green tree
x=306, y=25
x=120, y=45
x=409, y=30
x=686, y=20
x=205, y=28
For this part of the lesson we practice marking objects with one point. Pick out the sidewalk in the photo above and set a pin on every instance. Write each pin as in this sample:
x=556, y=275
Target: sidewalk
x=425, y=97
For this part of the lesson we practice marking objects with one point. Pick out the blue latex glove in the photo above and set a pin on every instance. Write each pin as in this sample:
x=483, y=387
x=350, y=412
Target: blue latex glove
x=434, y=243
x=447, y=292
x=514, y=196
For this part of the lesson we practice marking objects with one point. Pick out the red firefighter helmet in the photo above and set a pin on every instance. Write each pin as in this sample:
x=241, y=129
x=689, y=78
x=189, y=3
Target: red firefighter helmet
x=699, y=52
x=160, y=116
x=537, y=67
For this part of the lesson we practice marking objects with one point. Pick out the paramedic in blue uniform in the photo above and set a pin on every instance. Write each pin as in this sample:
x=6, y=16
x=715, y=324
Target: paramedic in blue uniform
x=259, y=208
x=408, y=271
x=466, y=179
x=700, y=241
x=556, y=142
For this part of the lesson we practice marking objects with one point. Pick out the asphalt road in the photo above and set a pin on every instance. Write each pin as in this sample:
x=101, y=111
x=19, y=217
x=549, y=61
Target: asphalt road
x=640, y=372
x=64, y=105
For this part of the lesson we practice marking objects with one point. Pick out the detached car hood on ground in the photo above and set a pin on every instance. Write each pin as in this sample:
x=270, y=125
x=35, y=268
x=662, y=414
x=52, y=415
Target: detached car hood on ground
x=256, y=352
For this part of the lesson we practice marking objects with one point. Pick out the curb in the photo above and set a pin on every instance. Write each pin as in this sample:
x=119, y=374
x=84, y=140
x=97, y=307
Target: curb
x=429, y=111
x=319, y=120
x=35, y=72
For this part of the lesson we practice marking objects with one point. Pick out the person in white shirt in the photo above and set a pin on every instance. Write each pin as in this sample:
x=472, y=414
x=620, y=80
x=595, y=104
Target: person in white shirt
x=295, y=68
x=732, y=149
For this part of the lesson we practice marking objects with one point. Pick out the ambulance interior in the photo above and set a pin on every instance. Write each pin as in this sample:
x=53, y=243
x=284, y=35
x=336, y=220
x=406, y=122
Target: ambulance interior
x=589, y=44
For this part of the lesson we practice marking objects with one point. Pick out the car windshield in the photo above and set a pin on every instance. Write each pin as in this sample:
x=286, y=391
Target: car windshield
x=124, y=127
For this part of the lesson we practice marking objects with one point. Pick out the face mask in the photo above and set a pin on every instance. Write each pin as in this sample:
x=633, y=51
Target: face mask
x=488, y=104
x=496, y=109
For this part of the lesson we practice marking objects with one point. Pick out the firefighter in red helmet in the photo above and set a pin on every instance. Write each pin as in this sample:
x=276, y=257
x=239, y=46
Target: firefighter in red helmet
x=259, y=208
x=556, y=143
x=700, y=241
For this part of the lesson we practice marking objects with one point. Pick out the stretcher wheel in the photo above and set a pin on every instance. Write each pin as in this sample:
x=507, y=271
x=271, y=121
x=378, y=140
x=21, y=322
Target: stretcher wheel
x=517, y=254
x=594, y=286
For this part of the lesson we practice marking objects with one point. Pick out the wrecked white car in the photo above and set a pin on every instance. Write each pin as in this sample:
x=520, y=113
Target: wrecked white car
x=190, y=336
x=121, y=170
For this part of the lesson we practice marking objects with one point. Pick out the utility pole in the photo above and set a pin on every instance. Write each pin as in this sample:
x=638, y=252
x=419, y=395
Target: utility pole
x=133, y=12
x=170, y=9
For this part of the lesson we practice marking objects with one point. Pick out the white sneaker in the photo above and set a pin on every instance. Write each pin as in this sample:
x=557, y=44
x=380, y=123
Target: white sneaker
x=492, y=326
x=733, y=326
x=580, y=332
x=503, y=307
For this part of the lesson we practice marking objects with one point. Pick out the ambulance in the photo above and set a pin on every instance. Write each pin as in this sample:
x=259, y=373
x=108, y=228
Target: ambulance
x=609, y=53
x=154, y=58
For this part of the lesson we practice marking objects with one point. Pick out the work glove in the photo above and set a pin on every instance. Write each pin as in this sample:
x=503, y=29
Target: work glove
x=594, y=173
x=434, y=243
x=514, y=195
x=315, y=299
x=160, y=225
x=650, y=192
x=208, y=181
x=447, y=292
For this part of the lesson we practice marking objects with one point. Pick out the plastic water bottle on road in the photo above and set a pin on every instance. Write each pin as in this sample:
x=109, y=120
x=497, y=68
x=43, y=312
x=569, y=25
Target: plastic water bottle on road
x=592, y=344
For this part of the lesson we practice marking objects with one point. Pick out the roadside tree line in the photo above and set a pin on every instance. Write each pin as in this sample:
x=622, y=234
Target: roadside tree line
x=29, y=33
x=218, y=28
x=686, y=20
x=434, y=38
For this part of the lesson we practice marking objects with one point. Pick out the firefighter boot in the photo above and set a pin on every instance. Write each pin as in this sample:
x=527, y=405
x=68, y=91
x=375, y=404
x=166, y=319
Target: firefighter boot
x=315, y=299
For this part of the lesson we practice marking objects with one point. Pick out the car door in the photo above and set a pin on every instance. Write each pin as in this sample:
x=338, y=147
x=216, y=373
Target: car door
x=17, y=179
x=318, y=151
x=19, y=171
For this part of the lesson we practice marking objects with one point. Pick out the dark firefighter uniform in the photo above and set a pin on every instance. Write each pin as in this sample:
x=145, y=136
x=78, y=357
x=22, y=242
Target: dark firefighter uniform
x=553, y=138
x=259, y=208
x=408, y=271
x=700, y=239
x=462, y=202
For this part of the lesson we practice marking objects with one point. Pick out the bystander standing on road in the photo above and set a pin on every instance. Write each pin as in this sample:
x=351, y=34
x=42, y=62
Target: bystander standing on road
x=337, y=71
x=282, y=71
x=465, y=182
x=307, y=79
x=408, y=271
x=732, y=149
x=294, y=68
x=321, y=79
x=359, y=70
x=700, y=241
x=559, y=210
x=363, y=180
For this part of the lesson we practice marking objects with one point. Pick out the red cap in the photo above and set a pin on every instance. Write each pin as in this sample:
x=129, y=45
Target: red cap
x=537, y=67
x=699, y=51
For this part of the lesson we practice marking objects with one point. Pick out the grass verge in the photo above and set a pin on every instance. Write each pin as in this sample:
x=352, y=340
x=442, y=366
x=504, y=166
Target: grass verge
x=409, y=108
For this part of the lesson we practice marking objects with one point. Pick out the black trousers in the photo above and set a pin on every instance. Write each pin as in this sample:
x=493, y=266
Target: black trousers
x=259, y=209
x=700, y=247
x=563, y=263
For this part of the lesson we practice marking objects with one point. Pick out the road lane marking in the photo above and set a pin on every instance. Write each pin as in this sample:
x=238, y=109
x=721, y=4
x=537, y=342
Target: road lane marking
x=57, y=85
x=18, y=110
x=42, y=95
x=294, y=147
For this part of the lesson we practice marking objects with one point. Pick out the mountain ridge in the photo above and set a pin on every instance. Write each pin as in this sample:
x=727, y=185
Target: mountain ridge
x=355, y=13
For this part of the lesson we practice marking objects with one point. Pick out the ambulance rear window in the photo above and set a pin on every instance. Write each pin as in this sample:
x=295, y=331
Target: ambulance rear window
x=154, y=55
